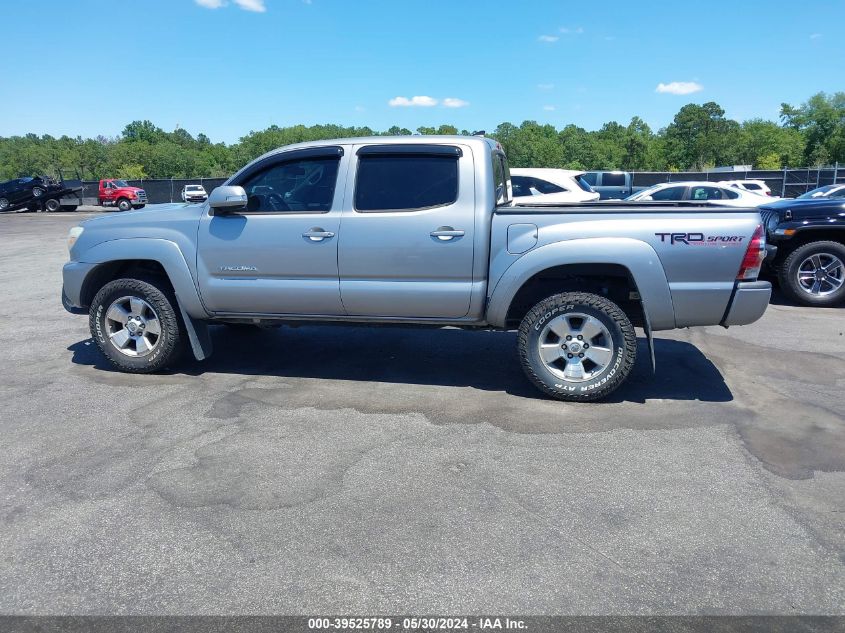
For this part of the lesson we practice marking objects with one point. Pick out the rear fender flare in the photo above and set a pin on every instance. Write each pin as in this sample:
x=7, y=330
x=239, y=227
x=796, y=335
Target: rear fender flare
x=637, y=256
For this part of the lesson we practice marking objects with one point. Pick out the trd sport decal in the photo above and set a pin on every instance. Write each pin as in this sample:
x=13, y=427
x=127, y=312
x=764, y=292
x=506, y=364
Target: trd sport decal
x=699, y=239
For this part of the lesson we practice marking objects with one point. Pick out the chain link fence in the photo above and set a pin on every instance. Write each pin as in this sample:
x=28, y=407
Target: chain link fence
x=786, y=183
x=159, y=190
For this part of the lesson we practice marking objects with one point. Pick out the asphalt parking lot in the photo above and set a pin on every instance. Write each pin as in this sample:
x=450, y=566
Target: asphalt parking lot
x=358, y=470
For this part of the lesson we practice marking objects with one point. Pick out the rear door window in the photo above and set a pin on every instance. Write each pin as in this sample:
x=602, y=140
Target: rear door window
x=612, y=180
x=405, y=182
x=706, y=193
x=544, y=186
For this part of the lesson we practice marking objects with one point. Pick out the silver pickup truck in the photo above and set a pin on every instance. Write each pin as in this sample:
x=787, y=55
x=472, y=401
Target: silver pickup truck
x=415, y=230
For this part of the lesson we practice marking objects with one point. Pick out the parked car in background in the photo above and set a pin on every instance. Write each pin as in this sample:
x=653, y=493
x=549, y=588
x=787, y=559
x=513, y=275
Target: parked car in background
x=550, y=186
x=21, y=190
x=194, y=193
x=806, y=248
x=828, y=191
x=118, y=193
x=754, y=186
x=700, y=192
x=612, y=185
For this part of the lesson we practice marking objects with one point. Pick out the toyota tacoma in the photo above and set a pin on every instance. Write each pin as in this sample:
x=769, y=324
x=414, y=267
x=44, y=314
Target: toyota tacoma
x=419, y=231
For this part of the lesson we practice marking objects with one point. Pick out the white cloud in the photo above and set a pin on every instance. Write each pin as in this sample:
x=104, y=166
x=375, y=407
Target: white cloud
x=548, y=108
x=568, y=31
x=360, y=108
x=548, y=38
x=545, y=86
x=815, y=36
x=419, y=101
x=452, y=102
x=257, y=6
x=679, y=87
x=252, y=5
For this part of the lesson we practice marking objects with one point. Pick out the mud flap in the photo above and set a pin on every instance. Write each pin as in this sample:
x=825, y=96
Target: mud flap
x=198, y=335
x=650, y=340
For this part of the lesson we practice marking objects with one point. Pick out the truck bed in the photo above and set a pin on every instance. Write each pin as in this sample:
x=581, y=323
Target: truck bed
x=695, y=249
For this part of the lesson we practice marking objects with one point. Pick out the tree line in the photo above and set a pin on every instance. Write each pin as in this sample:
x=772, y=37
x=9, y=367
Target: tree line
x=699, y=137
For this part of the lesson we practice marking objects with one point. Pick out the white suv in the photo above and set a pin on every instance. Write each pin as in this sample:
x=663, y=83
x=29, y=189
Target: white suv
x=754, y=186
x=194, y=193
x=550, y=185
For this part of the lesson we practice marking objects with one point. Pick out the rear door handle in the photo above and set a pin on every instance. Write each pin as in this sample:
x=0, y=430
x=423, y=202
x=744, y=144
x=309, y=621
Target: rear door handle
x=446, y=233
x=317, y=234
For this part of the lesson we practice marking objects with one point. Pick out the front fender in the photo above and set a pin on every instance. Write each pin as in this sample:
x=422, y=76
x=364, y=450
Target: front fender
x=165, y=252
x=637, y=256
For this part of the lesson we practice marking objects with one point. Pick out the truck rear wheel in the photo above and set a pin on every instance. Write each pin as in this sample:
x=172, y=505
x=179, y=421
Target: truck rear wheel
x=577, y=346
x=124, y=205
x=134, y=324
x=52, y=205
x=814, y=274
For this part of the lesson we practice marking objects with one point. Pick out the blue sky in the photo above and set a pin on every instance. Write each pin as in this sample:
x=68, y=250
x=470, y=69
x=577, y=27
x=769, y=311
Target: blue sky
x=248, y=64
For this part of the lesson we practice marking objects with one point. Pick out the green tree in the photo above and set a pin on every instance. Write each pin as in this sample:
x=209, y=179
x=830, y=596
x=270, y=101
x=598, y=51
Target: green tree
x=821, y=120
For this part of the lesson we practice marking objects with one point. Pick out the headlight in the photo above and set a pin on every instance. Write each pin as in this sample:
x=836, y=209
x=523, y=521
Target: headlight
x=73, y=235
x=772, y=223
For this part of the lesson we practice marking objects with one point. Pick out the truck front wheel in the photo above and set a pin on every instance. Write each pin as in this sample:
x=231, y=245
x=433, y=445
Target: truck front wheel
x=124, y=205
x=134, y=324
x=577, y=346
x=814, y=274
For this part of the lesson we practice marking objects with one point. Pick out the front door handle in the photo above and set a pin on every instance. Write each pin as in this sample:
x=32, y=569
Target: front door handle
x=446, y=233
x=317, y=234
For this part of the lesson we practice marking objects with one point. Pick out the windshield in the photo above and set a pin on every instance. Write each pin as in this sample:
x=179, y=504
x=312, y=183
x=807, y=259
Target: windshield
x=821, y=192
x=193, y=188
x=644, y=192
x=582, y=182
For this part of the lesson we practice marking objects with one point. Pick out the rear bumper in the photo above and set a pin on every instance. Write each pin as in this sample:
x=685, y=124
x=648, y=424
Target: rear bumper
x=748, y=303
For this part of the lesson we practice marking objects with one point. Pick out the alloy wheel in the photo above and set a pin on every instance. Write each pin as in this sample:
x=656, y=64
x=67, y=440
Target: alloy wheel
x=132, y=326
x=576, y=347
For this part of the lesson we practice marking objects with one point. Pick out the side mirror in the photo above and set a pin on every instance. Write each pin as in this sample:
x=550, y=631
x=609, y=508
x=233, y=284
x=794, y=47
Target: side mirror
x=225, y=200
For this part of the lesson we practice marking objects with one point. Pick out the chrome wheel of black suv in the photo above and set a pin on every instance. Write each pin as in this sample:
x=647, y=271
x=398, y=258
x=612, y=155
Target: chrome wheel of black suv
x=577, y=346
x=814, y=274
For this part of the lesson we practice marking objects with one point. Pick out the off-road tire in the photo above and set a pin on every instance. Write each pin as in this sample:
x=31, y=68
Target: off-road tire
x=52, y=205
x=170, y=345
x=614, y=320
x=788, y=274
x=123, y=204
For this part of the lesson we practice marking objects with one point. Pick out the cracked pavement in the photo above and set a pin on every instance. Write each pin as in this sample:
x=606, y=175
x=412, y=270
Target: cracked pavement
x=346, y=469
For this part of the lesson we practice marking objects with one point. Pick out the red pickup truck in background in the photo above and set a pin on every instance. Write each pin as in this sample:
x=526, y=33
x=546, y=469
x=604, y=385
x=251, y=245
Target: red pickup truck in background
x=116, y=193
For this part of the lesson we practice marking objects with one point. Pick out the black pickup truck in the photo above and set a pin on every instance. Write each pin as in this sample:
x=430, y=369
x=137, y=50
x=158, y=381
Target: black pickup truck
x=806, y=248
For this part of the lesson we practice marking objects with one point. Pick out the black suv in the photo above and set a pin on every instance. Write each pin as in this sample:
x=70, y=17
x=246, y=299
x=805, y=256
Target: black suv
x=21, y=190
x=806, y=248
